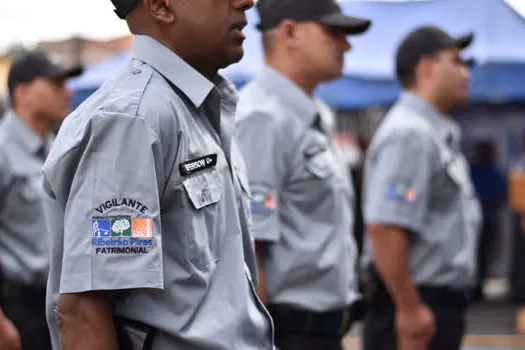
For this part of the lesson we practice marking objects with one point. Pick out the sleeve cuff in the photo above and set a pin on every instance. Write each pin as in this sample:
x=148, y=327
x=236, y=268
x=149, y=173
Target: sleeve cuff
x=111, y=280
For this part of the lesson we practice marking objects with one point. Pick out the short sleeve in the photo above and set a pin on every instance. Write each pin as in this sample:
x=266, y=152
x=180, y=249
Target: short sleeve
x=397, y=180
x=5, y=177
x=112, y=230
x=258, y=138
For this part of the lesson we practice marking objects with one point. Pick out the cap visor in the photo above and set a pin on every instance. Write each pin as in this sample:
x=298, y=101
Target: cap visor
x=66, y=73
x=464, y=41
x=351, y=25
x=470, y=62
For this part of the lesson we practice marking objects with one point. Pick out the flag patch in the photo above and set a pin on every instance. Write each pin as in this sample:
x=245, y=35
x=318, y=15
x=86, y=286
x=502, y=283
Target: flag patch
x=401, y=192
x=263, y=202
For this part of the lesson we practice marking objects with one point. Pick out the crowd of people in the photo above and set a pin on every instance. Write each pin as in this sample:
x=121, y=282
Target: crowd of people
x=170, y=212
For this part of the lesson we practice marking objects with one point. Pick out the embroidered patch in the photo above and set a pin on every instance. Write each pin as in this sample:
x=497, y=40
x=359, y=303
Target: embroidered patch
x=101, y=228
x=195, y=165
x=121, y=202
x=401, y=192
x=263, y=202
x=121, y=235
x=121, y=227
x=142, y=228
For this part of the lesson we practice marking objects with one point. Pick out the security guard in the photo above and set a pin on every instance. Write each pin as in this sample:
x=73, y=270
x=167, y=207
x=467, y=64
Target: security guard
x=420, y=207
x=148, y=199
x=39, y=100
x=301, y=191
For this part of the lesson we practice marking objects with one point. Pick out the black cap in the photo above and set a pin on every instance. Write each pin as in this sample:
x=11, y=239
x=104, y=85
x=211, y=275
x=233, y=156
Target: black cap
x=328, y=12
x=36, y=64
x=124, y=7
x=427, y=41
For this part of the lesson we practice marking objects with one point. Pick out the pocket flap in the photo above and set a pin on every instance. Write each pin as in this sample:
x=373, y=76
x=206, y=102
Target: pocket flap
x=458, y=172
x=243, y=180
x=320, y=165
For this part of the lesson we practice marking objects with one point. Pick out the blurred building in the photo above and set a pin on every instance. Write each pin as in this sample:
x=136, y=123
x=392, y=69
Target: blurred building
x=5, y=63
x=85, y=51
x=71, y=51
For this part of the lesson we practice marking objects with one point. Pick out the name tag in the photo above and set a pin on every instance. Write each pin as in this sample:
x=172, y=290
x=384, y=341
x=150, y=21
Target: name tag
x=195, y=165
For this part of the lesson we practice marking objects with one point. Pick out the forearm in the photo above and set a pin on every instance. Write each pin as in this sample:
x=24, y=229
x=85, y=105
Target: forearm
x=261, y=278
x=86, y=322
x=390, y=247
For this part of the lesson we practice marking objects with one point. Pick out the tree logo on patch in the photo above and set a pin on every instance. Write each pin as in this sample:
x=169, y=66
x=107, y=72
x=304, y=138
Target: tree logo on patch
x=120, y=227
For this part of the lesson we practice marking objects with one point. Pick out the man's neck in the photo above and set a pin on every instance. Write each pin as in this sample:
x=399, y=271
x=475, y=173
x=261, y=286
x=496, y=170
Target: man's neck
x=203, y=68
x=290, y=71
x=38, y=125
x=431, y=101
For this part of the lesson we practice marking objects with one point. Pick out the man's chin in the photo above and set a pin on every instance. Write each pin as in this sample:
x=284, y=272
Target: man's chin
x=234, y=55
x=331, y=76
x=463, y=100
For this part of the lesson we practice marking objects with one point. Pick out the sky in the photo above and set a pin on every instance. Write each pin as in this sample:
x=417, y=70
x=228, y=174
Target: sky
x=30, y=21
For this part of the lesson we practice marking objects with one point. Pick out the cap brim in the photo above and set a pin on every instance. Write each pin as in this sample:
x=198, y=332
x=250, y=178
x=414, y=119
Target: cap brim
x=351, y=25
x=464, y=41
x=470, y=62
x=65, y=73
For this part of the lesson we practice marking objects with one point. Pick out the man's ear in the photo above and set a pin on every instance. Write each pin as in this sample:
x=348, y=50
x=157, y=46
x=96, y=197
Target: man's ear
x=161, y=10
x=425, y=67
x=288, y=32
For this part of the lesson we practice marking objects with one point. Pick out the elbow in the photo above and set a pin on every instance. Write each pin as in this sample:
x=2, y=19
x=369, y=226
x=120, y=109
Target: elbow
x=68, y=310
x=77, y=310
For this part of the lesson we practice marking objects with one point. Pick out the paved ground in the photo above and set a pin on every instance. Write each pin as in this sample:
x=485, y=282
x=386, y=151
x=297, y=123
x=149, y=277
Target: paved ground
x=490, y=327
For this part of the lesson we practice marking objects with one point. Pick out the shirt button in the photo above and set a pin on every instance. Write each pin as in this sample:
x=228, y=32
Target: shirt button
x=137, y=71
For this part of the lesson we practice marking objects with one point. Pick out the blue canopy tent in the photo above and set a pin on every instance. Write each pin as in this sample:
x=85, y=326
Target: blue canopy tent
x=94, y=75
x=369, y=67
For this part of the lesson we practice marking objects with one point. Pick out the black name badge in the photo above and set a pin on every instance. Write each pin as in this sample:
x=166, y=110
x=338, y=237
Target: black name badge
x=195, y=165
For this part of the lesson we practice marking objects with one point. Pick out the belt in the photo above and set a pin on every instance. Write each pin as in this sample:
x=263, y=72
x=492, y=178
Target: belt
x=289, y=319
x=378, y=297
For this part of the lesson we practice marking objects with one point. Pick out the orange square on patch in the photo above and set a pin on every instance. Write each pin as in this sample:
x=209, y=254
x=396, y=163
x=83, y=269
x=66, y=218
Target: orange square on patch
x=141, y=228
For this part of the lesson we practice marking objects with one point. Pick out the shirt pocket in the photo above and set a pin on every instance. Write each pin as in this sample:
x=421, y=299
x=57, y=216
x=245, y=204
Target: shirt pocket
x=202, y=237
x=321, y=165
x=243, y=181
x=246, y=195
x=28, y=190
x=458, y=172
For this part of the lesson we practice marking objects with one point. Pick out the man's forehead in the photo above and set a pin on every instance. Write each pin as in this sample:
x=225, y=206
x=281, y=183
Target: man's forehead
x=48, y=80
x=452, y=52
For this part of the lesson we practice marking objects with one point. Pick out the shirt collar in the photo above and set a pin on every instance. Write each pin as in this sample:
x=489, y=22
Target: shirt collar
x=289, y=93
x=193, y=84
x=447, y=128
x=23, y=134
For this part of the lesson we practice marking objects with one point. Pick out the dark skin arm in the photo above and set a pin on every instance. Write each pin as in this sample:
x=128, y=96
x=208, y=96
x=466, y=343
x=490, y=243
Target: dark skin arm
x=85, y=321
x=261, y=286
x=415, y=323
x=9, y=337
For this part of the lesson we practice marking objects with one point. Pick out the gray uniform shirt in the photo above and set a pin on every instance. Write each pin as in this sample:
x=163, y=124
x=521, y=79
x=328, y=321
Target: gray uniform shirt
x=24, y=239
x=148, y=195
x=301, y=196
x=416, y=178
